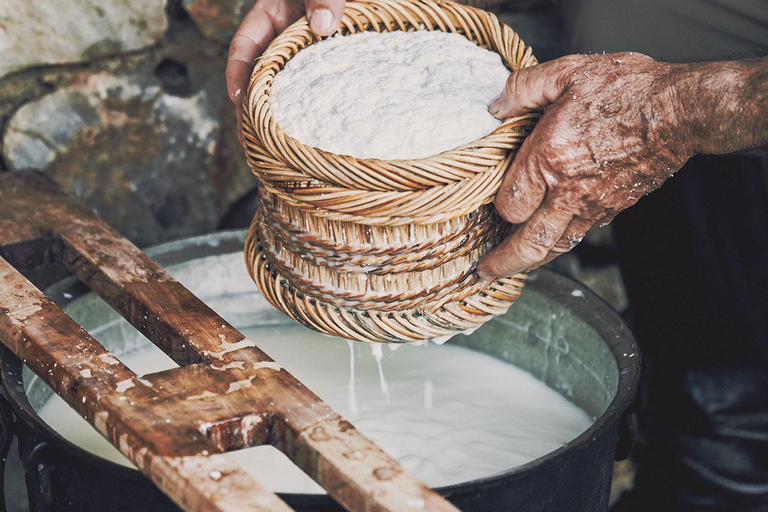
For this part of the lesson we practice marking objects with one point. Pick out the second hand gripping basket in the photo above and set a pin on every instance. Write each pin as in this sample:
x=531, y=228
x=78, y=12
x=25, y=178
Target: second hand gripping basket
x=380, y=250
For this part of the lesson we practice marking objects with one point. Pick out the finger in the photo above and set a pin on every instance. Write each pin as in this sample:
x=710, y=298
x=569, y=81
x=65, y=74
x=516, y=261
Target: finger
x=573, y=235
x=527, y=247
x=237, y=74
x=534, y=87
x=239, y=117
x=324, y=15
x=523, y=188
x=251, y=39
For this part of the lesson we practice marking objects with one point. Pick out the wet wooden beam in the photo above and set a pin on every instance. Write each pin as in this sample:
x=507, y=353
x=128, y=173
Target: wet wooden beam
x=175, y=426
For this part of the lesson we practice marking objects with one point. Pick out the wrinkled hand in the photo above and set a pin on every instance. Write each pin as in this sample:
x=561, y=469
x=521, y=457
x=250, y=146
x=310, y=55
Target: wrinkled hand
x=260, y=26
x=608, y=137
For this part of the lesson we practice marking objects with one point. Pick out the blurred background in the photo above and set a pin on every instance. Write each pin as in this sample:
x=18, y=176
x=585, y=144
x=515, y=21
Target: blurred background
x=124, y=105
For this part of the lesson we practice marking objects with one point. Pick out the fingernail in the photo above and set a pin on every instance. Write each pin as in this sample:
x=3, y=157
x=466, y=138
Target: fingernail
x=321, y=20
x=484, y=275
x=495, y=105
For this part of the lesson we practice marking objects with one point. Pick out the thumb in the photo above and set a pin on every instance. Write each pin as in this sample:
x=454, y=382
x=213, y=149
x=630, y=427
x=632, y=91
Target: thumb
x=324, y=15
x=534, y=87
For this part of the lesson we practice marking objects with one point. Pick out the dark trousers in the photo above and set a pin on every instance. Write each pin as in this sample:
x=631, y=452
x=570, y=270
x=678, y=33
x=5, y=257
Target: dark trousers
x=694, y=256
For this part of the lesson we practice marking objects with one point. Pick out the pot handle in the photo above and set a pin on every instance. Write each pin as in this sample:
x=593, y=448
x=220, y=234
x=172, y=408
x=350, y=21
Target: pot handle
x=52, y=484
x=7, y=430
x=39, y=476
x=628, y=423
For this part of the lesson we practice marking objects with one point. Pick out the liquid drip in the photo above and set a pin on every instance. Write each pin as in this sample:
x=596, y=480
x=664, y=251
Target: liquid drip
x=377, y=354
x=429, y=393
x=351, y=395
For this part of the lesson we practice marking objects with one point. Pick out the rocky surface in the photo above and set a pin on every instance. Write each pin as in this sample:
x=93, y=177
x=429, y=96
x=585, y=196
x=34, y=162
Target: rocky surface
x=138, y=141
x=231, y=165
x=49, y=32
x=217, y=19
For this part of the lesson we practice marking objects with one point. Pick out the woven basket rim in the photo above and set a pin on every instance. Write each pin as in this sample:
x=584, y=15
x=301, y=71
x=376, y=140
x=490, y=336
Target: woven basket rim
x=302, y=186
x=278, y=49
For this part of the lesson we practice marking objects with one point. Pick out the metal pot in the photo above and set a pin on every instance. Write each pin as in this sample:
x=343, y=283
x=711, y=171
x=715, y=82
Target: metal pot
x=558, y=331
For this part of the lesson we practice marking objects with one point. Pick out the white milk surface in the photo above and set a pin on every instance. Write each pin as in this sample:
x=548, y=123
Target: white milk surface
x=449, y=414
x=390, y=95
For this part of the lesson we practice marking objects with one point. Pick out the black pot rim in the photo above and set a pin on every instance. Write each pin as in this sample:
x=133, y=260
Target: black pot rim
x=587, y=306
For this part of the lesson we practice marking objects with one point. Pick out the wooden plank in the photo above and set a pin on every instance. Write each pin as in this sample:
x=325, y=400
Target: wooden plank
x=176, y=425
x=356, y=472
x=150, y=428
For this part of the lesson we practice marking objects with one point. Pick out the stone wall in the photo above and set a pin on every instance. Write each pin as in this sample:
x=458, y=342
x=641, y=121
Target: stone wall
x=124, y=105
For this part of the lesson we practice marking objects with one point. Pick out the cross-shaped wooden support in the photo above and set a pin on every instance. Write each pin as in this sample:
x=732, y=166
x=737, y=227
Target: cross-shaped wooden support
x=176, y=425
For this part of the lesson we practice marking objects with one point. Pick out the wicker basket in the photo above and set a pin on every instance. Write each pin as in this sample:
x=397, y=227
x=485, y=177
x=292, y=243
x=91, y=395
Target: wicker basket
x=375, y=250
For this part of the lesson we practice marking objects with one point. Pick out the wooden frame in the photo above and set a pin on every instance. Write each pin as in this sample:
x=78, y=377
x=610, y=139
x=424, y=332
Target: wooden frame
x=176, y=425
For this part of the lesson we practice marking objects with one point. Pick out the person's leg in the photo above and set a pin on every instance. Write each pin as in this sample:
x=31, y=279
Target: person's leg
x=694, y=257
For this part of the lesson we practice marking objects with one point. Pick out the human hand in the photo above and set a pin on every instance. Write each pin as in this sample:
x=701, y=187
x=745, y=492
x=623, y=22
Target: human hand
x=609, y=136
x=264, y=22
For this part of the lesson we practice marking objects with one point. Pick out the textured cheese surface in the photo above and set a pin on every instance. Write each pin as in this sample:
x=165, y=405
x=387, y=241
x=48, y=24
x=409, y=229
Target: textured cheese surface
x=392, y=95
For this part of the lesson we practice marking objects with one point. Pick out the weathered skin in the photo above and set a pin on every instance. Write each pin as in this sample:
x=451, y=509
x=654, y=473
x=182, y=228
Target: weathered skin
x=617, y=126
x=594, y=153
x=265, y=20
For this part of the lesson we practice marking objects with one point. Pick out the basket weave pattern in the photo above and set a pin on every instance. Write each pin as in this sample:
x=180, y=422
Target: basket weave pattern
x=380, y=250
